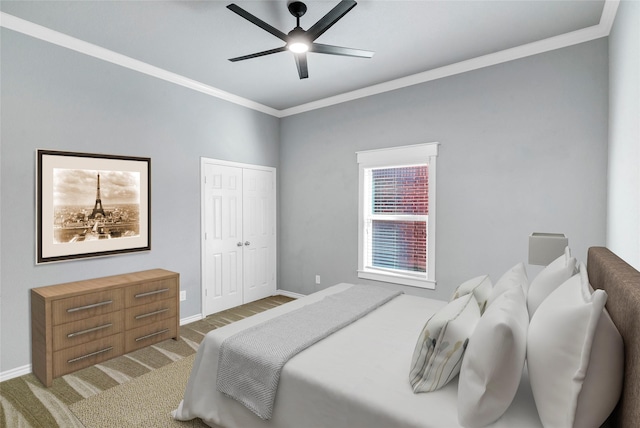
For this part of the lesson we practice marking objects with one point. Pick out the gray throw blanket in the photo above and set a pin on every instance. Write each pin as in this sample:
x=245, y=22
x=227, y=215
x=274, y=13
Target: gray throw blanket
x=250, y=362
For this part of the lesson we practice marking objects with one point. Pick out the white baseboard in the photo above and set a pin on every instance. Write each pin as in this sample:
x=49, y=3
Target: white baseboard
x=191, y=319
x=289, y=294
x=17, y=372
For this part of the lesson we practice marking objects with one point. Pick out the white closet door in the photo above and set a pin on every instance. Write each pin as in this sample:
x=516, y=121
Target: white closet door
x=223, y=244
x=239, y=234
x=259, y=233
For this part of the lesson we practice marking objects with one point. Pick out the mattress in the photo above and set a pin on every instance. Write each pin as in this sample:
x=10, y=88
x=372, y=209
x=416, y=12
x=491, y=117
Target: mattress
x=357, y=377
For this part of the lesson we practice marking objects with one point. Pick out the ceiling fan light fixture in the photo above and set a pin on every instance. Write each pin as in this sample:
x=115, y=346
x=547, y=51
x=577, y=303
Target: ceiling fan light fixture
x=298, y=47
x=298, y=41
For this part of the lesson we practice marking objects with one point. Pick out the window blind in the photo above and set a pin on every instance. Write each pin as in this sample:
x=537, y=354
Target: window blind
x=399, y=245
x=399, y=199
x=400, y=190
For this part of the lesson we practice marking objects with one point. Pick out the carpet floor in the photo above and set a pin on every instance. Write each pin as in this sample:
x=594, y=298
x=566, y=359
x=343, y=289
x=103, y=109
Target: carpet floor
x=26, y=403
x=146, y=401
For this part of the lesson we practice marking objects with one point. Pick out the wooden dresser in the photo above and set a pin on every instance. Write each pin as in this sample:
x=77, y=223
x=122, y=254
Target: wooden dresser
x=79, y=324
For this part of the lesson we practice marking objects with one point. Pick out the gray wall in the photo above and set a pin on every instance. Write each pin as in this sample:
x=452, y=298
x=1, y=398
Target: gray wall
x=523, y=149
x=623, y=231
x=54, y=98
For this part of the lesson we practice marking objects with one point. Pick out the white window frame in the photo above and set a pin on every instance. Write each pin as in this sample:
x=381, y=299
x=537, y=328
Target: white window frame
x=394, y=157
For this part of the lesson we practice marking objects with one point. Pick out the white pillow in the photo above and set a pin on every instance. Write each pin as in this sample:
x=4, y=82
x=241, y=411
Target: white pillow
x=575, y=369
x=551, y=277
x=516, y=276
x=481, y=288
x=441, y=344
x=493, y=363
x=602, y=384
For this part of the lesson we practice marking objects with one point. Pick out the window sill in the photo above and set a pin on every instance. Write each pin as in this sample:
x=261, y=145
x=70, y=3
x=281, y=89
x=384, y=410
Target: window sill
x=397, y=279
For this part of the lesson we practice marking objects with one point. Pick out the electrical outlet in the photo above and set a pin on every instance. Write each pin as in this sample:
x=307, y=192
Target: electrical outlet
x=183, y=295
x=317, y=279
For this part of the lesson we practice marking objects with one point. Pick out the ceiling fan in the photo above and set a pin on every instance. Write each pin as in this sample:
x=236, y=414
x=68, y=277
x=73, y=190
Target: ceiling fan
x=300, y=41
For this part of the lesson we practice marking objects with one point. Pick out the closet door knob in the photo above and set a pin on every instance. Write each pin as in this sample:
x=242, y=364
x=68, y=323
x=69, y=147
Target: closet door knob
x=247, y=243
x=239, y=244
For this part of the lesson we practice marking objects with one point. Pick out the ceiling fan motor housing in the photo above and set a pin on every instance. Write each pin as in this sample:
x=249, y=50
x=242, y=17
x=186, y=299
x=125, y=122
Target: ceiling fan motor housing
x=297, y=8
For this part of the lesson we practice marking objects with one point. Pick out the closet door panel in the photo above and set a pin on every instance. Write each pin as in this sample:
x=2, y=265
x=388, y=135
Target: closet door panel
x=259, y=234
x=223, y=249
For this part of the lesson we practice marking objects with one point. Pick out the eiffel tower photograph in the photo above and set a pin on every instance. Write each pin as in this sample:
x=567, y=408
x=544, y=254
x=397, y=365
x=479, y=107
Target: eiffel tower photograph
x=91, y=205
x=94, y=205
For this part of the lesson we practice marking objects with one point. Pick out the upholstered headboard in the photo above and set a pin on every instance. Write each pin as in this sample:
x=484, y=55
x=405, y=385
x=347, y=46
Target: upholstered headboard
x=622, y=284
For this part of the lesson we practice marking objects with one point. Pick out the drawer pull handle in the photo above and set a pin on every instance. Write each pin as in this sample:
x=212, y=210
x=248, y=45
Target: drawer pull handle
x=138, y=317
x=151, y=293
x=152, y=334
x=73, y=360
x=89, y=330
x=94, y=305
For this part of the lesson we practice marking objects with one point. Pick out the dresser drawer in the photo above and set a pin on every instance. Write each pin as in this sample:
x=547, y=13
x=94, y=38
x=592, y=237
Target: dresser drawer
x=150, y=334
x=138, y=316
x=149, y=292
x=87, y=330
x=85, y=355
x=86, y=306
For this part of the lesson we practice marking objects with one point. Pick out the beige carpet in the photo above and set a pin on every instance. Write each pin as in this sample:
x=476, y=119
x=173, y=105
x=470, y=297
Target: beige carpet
x=144, y=402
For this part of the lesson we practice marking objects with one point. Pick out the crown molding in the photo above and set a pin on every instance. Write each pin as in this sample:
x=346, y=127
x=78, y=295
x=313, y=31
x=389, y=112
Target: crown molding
x=608, y=15
x=43, y=33
x=602, y=29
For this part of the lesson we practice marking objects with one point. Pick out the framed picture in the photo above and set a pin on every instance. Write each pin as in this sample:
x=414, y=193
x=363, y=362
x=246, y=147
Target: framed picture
x=91, y=205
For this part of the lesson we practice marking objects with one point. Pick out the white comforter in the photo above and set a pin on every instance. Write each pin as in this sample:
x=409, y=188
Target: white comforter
x=357, y=377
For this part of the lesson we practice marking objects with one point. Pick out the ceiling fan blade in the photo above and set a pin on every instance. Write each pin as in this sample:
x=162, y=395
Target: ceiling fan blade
x=330, y=18
x=257, y=21
x=258, y=54
x=301, y=63
x=339, y=50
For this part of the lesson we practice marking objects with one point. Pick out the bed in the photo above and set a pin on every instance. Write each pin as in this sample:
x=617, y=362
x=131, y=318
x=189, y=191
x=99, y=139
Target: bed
x=358, y=376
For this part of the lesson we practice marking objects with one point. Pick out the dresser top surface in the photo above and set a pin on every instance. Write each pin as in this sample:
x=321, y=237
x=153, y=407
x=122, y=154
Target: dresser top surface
x=88, y=285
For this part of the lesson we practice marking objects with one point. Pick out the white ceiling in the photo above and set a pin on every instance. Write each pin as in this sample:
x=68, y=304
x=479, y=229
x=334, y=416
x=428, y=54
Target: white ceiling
x=189, y=42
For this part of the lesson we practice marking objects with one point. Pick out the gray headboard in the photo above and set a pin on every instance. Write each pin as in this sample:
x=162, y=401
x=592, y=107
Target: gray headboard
x=622, y=284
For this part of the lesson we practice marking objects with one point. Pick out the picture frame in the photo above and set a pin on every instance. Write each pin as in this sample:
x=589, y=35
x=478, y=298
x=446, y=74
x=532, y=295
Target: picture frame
x=91, y=205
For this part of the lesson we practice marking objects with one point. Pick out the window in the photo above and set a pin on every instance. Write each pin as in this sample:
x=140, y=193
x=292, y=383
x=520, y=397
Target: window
x=396, y=238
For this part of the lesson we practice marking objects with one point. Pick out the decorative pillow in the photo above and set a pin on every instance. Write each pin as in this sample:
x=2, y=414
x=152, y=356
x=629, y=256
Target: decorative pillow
x=480, y=287
x=574, y=368
x=517, y=275
x=441, y=344
x=602, y=383
x=551, y=277
x=493, y=363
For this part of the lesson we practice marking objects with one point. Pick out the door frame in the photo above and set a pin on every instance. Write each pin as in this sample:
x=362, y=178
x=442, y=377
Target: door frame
x=203, y=161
